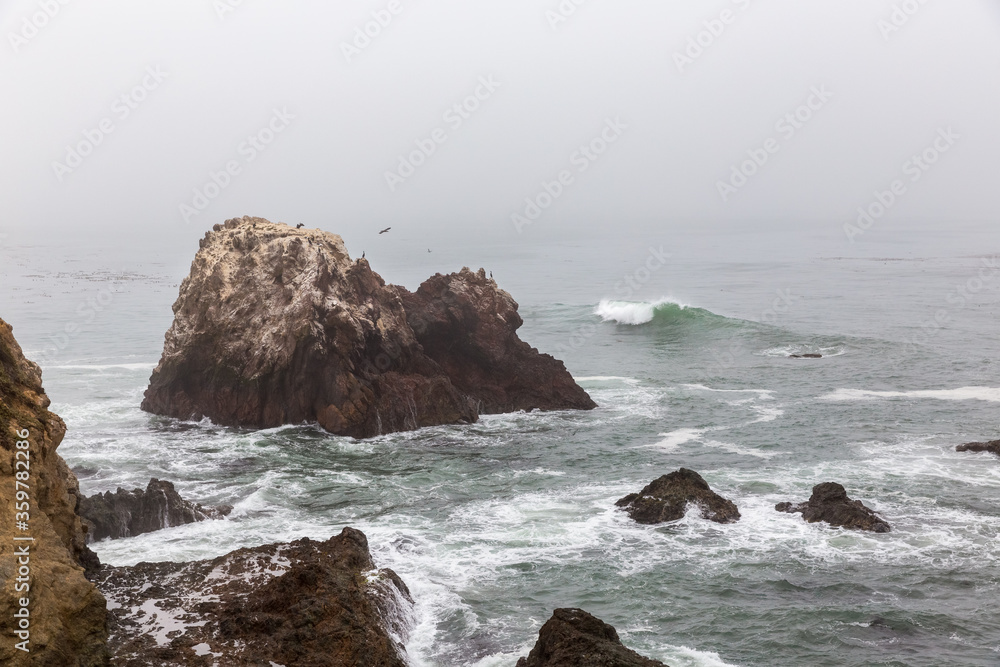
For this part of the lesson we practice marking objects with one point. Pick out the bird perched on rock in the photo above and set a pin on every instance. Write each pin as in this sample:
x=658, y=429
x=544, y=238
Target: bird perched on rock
x=299, y=226
x=385, y=230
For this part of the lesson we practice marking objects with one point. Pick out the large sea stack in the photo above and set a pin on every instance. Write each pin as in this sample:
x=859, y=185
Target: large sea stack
x=66, y=616
x=277, y=325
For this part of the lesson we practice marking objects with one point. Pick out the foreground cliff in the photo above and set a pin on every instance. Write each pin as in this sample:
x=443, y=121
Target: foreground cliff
x=303, y=603
x=276, y=325
x=66, y=617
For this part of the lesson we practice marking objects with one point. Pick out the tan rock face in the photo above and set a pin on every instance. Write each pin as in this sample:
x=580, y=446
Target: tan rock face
x=276, y=325
x=67, y=613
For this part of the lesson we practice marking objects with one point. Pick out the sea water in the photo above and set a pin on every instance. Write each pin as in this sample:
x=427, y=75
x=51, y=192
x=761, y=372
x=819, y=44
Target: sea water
x=493, y=525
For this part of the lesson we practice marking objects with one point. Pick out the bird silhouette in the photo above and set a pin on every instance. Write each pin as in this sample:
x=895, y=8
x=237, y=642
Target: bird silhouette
x=428, y=250
x=385, y=230
x=299, y=226
x=362, y=254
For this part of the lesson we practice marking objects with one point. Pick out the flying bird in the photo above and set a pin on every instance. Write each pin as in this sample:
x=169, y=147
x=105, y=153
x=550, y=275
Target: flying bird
x=428, y=250
x=299, y=226
x=385, y=230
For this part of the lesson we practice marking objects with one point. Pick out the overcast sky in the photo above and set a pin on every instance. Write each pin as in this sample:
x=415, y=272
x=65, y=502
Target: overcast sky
x=670, y=117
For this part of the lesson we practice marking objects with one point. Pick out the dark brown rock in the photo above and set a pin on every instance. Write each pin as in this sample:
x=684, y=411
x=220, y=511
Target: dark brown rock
x=276, y=325
x=992, y=446
x=466, y=324
x=307, y=604
x=667, y=499
x=829, y=502
x=68, y=617
x=131, y=513
x=574, y=638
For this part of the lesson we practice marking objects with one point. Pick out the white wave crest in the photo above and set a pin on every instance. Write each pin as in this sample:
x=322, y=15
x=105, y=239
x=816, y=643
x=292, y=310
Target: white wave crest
x=632, y=312
x=991, y=394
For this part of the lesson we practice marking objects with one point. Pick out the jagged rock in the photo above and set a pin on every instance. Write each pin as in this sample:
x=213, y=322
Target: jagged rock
x=829, y=503
x=667, y=499
x=574, y=638
x=276, y=325
x=992, y=446
x=131, y=513
x=469, y=327
x=67, y=623
x=305, y=603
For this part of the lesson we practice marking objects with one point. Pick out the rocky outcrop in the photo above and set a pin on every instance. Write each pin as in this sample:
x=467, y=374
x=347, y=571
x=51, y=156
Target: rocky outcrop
x=306, y=603
x=66, y=613
x=992, y=446
x=829, y=503
x=668, y=498
x=574, y=638
x=130, y=513
x=276, y=325
x=469, y=327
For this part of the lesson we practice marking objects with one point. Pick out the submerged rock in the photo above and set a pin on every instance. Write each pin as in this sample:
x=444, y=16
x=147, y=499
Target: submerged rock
x=811, y=355
x=302, y=603
x=131, y=513
x=829, y=502
x=67, y=622
x=992, y=446
x=574, y=638
x=667, y=499
x=276, y=325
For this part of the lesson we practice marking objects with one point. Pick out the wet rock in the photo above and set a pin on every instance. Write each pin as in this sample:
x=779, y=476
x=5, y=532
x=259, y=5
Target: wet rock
x=131, y=513
x=304, y=603
x=992, y=446
x=667, y=499
x=574, y=638
x=67, y=612
x=277, y=325
x=829, y=502
x=469, y=328
x=805, y=356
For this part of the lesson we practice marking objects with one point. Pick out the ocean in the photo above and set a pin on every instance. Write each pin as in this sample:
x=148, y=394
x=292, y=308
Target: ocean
x=683, y=339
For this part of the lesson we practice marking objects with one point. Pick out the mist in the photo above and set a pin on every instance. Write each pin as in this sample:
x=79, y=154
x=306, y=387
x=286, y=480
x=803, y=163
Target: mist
x=458, y=120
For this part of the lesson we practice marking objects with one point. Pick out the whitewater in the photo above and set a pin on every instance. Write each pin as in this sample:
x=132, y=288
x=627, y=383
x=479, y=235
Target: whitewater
x=494, y=524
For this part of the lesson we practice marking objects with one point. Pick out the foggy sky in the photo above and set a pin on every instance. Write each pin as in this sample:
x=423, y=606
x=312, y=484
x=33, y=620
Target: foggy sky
x=225, y=74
